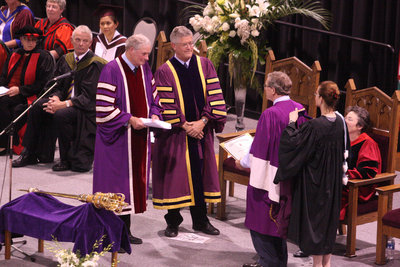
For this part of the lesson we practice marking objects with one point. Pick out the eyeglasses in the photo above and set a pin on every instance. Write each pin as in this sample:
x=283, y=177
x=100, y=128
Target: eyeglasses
x=189, y=44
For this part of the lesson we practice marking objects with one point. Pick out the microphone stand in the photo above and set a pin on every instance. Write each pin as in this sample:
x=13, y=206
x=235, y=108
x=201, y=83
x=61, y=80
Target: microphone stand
x=10, y=131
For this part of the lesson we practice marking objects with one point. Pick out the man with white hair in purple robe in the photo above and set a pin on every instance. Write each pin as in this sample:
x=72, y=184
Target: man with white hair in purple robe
x=268, y=205
x=126, y=92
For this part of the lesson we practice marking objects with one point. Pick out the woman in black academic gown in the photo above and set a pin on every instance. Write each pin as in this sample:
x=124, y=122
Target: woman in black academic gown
x=312, y=155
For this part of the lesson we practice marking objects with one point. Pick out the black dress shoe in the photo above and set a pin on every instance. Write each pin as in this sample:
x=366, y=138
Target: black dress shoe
x=61, y=166
x=207, y=229
x=171, y=231
x=24, y=160
x=300, y=254
x=255, y=264
x=121, y=251
x=135, y=240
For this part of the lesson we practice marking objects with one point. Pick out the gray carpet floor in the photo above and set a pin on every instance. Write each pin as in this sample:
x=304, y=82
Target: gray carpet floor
x=232, y=247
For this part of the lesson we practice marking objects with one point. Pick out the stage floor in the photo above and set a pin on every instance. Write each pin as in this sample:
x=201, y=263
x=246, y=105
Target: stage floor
x=231, y=248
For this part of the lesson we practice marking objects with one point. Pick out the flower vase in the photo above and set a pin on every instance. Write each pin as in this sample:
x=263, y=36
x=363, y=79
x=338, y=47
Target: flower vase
x=240, y=88
x=240, y=101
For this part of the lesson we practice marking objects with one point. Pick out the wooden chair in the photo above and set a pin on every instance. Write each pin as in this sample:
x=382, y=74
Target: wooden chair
x=384, y=114
x=305, y=81
x=388, y=220
x=165, y=51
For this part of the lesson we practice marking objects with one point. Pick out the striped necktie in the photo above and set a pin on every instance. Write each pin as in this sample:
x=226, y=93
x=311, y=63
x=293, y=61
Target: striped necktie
x=71, y=87
x=69, y=92
x=186, y=65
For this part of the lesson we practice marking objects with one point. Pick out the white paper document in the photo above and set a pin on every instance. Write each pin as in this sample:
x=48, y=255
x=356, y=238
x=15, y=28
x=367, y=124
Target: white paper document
x=156, y=124
x=3, y=90
x=238, y=147
x=190, y=237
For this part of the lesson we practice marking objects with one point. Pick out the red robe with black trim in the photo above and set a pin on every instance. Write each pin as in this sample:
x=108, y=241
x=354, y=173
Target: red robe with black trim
x=56, y=37
x=365, y=164
x=37, y=68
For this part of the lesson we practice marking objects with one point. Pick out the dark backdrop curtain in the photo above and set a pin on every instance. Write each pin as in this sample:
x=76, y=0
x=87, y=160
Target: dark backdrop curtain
x=341, y=59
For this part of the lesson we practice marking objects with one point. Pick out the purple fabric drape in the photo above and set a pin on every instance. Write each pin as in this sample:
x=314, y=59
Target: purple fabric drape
x=42, y=216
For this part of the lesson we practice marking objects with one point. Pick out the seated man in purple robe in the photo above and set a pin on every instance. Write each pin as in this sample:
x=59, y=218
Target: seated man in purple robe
x=268, y=205
x=184, y=166
x=126, y=92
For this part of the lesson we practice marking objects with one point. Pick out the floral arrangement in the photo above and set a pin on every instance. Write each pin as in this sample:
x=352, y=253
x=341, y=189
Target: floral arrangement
x=236, y=28
x=67, y=258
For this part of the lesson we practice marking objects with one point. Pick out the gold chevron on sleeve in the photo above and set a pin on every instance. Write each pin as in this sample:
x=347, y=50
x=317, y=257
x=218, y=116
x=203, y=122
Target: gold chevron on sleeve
x=174, y=121
x=169, y=112
x=215, y=91
x=219, y=112
x=213, y=80
x=164, y=89
x=216, y=103
x=167, y=100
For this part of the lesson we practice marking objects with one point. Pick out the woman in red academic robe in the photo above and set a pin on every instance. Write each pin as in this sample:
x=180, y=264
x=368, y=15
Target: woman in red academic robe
x=365, y=161
x=57, y=30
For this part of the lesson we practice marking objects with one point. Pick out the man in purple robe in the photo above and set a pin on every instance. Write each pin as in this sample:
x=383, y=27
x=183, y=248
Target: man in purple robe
x=126, y=92
x=269, y=205
x=184, y=166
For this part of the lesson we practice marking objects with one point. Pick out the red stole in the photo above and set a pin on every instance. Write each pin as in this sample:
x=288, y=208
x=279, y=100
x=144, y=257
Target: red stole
x=138, y=106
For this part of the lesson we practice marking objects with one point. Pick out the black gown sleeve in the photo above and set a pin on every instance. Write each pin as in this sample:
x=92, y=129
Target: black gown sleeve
x=296, y=147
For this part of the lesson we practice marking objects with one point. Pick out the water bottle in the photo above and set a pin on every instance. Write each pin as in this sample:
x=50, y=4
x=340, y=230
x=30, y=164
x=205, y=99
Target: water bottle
x=390, y=249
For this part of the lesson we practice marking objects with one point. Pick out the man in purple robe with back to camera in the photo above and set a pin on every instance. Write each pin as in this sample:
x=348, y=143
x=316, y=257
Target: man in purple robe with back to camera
x=268, y=205
x=184, y=166
x=126, y=92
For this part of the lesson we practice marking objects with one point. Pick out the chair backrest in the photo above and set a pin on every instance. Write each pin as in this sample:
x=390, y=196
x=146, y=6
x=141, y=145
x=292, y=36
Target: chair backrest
x=305, y=80
x=165, y=51
x=384, y=113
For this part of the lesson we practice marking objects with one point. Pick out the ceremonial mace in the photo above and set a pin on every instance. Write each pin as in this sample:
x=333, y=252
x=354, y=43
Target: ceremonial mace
x=109, y=201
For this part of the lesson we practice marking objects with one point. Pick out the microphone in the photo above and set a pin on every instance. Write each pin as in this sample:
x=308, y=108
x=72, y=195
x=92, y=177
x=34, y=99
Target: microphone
x=65, y=75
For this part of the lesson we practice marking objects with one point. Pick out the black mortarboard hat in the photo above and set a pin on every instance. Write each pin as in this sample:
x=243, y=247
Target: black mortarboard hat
x=109, y=10
x=29, y=31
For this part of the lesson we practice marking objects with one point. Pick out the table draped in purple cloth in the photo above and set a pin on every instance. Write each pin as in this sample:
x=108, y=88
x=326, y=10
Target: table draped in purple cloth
x=42, y=216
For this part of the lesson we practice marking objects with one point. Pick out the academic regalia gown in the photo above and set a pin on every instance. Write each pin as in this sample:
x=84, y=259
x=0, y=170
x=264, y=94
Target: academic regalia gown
x=184, y=168
x=262, y=194
x=58, y=36
x=312, y=157
x=365, y=163
x=122, y=154
x=15, y=21
x=109, y=50
x=33, y=71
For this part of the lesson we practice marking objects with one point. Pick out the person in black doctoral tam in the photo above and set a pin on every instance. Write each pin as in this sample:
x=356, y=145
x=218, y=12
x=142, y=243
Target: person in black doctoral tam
x=25, y=73
x=69, y=113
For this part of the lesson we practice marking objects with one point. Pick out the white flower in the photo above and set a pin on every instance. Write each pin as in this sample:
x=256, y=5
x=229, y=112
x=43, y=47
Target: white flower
x=254, y=21
x=255, y=33
x=254, y=11
x=225, y=27
x=232, y=34
x=89, y=264
x=208, y=10
x=96, y=257
x=234, y=15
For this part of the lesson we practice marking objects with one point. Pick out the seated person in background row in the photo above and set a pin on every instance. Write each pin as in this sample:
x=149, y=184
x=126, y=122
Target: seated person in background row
x=69, y=113
x=13, y=17
x=109, y=43
x=365, y=159
x=57, y=30
x=25, y=73
x=4, y=53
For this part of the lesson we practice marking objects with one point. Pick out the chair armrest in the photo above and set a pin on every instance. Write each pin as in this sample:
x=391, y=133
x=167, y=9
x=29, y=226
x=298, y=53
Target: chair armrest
x=388, y=189
x=222, y=137
x=379, y=178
